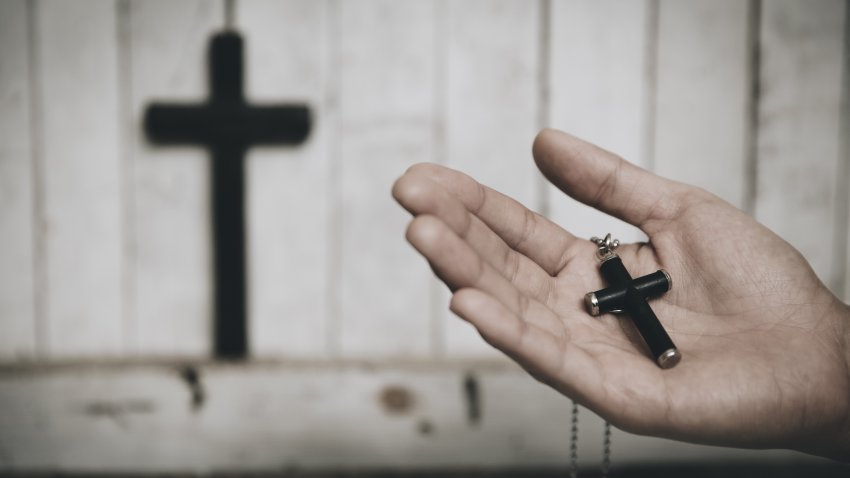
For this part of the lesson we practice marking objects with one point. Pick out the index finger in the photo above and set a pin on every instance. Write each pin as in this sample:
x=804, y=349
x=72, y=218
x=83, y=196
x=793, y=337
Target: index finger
x=525, y=231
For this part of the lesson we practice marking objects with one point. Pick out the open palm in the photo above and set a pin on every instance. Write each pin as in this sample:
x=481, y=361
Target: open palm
x=765, y=345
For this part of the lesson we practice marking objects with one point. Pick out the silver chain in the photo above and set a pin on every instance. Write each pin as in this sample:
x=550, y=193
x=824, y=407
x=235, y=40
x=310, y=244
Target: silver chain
x=606, y=450
x=574, y=441
x=606, y=445
x=606, y=248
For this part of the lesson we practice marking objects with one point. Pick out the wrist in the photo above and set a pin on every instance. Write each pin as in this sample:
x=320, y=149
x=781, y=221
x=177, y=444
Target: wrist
x=834, y=443
x=842, y=453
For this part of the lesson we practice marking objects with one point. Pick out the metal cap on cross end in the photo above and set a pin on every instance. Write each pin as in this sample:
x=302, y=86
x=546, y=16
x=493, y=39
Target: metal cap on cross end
x=592, y=303
x=669, y=359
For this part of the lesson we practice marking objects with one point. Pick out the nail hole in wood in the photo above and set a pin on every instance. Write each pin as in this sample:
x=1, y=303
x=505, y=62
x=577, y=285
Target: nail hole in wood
x=396, y=399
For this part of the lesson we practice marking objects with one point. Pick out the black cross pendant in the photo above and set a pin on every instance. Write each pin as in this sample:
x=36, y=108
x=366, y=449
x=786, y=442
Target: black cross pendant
x=625, y=294
x=227, y=126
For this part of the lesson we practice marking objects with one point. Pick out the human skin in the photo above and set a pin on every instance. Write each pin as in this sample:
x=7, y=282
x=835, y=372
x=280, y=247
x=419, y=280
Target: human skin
x=765, y=345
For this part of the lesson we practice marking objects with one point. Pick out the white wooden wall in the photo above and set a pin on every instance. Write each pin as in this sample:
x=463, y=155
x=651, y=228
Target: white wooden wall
x=105, y=265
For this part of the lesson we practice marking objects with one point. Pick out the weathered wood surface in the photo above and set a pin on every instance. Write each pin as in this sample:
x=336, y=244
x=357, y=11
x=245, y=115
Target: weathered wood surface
x=170, y=228
x=276, y=417
x=287, y=60
x=798, y=136
x=843, y=176
x=702, y=100
x=18, y=218
x=83, y=196
x=600, y=90
x=124, y=246
x=386, y=75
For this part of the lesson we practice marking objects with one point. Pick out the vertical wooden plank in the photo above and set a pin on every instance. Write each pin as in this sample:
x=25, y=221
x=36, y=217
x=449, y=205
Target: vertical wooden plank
x=798, y=137
x=288, y=188
x=844, y=156
x=491, y=114
x=17, y=319
x=702, y=95
x=82, y=176
x=386, y=82
x=598, y=86
x=171, y=193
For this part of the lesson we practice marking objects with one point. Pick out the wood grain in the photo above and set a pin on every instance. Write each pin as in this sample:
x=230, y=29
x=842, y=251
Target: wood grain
x=17, y=210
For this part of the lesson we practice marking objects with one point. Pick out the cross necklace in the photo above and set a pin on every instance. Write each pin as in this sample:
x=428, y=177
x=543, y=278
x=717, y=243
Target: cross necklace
x=625, y=295
x=628, y=295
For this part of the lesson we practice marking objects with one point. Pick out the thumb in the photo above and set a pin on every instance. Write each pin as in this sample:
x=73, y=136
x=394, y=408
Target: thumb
x=606, y=182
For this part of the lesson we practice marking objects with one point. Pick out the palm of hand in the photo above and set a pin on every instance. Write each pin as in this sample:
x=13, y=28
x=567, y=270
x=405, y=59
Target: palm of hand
x=744, y=310
x=764, y=344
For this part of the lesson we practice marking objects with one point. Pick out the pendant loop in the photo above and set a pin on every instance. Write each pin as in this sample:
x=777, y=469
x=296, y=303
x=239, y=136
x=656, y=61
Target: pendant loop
x=606, y=246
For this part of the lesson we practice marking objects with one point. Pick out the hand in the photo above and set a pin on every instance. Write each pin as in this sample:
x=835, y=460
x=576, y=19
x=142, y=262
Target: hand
x=766, y=347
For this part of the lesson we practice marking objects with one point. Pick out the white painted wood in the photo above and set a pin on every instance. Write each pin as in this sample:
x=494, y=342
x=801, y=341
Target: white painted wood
x=77, y=57
x=171, y=243
x=598, y=89
x=844, y=164
x=268, y=417
x=288, y=188
x=798, y=137
x=845, y=157
x=491, y=114
x=385, y=56
x=17, y=319
x=703, y=85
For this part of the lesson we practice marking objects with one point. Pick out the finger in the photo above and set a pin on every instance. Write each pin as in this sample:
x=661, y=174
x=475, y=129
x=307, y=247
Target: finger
x=459, y=266
x=534, y=236
x=604, y=181
x=551, y=359
x=421, y=195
